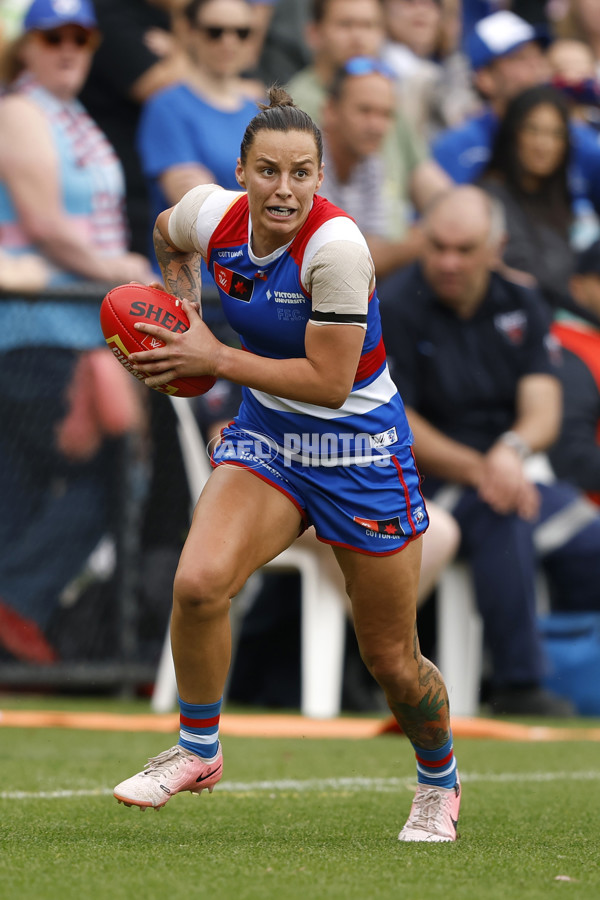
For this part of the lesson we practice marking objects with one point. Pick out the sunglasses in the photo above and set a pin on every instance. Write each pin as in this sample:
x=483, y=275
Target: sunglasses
x=366, y=65
x=216, y=32
x=58, y=38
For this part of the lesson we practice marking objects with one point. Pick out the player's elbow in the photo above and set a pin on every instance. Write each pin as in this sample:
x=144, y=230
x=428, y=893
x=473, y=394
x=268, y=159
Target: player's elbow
x=335, y=396
x=333, y=403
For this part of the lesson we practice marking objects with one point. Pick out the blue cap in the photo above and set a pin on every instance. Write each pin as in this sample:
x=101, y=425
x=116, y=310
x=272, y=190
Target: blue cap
x=45, y=14
x=500, y=34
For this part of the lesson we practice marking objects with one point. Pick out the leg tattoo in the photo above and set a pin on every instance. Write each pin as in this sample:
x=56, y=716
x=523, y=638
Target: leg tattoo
x=426, y=723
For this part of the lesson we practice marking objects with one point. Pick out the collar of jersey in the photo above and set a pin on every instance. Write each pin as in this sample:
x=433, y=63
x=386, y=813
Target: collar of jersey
x=264, y=260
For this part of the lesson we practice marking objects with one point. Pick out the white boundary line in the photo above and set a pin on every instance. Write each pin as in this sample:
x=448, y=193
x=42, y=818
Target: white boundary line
x=386, y=785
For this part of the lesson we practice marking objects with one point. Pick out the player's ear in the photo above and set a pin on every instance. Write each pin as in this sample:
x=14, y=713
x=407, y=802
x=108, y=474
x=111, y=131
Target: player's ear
x=239, y=174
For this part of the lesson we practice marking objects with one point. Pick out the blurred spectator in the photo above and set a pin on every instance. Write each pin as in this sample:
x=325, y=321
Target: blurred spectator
x=262, y=15
x=421, y=47
x=342, y=30
x=507, y=57
x=190, y=132
x=337, y=31
x=471, y=353
x=474, y=10
x=357, y=117
x=285, y=50
x=573, y=71
x=61, y=199
x=136, y=57
x=576, y=455
x=580, y=21
x=527, y=172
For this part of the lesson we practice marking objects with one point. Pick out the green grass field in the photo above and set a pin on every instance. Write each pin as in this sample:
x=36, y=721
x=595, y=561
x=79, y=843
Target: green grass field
x=292, y=820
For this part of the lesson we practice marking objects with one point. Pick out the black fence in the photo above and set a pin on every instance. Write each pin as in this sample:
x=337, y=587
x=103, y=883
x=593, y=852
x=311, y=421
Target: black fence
x=106, y=623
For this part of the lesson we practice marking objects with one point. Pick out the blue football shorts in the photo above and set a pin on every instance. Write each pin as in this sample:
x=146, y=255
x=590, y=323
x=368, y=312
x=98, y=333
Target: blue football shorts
x=374, y=508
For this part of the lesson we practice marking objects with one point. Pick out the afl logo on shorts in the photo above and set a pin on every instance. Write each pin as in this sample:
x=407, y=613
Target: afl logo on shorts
x=390, y=527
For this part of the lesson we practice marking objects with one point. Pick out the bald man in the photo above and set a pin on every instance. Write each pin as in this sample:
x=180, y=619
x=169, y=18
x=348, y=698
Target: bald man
x=472, y=358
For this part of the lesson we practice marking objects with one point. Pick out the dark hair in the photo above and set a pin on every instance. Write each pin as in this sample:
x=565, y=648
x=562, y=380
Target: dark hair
x=11, y=63
x=554, y=193
x=319, y=9
x=193, y=8
x=190, y=11
x=281, y=114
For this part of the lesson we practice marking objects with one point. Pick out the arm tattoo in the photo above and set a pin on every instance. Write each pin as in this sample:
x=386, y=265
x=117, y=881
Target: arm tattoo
x=181, y=270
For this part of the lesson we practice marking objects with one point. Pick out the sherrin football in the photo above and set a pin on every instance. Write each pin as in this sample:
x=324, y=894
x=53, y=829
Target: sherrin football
x=127, y=304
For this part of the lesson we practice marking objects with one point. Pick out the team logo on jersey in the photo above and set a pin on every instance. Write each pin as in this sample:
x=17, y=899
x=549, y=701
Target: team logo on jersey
x=237, y=286
x=513, y=325
x=387, y=527
x=384, y=438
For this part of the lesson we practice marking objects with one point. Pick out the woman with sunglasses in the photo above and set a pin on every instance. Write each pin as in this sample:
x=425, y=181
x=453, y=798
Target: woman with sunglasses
x=189, y=133
x=321, y=439
x=61, y=199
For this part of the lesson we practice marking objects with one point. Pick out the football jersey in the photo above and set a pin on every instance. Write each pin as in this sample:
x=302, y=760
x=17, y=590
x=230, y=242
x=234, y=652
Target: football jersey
x=268, y=302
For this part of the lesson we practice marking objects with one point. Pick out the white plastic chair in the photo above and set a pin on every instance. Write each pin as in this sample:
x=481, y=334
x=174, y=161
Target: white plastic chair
x=323, y=609
x=459, y=626
x=459, y=638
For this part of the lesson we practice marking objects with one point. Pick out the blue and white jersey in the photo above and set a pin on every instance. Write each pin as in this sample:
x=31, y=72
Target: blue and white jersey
x=268, y=301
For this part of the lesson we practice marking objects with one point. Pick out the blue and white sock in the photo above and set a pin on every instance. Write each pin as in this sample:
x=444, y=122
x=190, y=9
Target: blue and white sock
x=199, y=727
x=437, y=767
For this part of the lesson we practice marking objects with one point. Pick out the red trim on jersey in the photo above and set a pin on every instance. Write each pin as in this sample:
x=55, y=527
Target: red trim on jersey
x=199, y=723
x=233, y=227
x=321, y=211
x=370, y=362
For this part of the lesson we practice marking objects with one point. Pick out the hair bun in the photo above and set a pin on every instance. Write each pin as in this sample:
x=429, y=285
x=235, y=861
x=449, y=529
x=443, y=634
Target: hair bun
x=278, y=96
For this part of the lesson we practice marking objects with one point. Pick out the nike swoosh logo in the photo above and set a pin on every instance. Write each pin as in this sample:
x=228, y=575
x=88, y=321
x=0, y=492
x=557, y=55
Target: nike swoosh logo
x=209, y=774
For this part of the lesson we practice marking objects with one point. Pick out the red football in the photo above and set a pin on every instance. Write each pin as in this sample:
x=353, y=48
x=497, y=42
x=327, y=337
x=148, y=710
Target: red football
x=127, y=304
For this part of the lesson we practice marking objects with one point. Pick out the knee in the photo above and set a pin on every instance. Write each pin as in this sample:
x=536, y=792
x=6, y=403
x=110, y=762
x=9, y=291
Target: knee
x=202, y=591
x=395, y=670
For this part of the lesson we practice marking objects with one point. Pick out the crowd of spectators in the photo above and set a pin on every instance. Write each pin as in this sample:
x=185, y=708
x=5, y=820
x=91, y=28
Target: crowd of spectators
x=128, y=105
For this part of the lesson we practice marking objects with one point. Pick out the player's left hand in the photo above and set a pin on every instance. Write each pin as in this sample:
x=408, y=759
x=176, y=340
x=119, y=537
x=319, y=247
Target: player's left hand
x=191, y=353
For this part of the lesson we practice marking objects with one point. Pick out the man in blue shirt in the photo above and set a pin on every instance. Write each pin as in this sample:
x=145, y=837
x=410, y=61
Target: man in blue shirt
x=507, y=56
x=471, y=354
